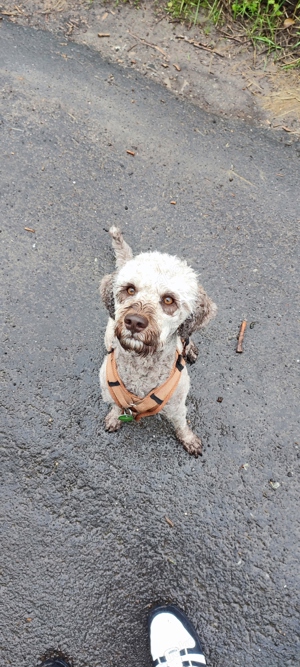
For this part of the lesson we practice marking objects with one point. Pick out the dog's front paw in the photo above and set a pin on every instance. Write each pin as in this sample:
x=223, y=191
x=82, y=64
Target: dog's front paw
x=112, y=423
x=192, y=352
x=194, y=447
x=192, y=444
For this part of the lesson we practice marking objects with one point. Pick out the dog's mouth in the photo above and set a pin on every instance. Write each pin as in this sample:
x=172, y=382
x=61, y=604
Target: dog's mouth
x=140, y=344
x=136, y=329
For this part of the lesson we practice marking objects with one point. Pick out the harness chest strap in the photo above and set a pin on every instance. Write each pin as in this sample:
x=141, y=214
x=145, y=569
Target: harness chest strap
x=154, y=401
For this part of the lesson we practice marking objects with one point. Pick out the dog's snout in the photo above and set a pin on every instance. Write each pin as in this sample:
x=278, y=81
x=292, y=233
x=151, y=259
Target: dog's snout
x=135, y=323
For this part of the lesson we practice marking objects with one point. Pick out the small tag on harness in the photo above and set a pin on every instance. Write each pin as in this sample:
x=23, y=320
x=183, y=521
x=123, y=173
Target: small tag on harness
x=126, y=417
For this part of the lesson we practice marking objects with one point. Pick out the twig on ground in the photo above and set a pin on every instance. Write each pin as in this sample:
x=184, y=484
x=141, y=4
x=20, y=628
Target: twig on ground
x=206, y=48
x=239, y=347
x=171, y=524
x=198, y=45
x=289, y=129
x=234, y=173
x=132, y=47
x=253, y=83
x=292, y=62
x=235, y=39
x=152, y=46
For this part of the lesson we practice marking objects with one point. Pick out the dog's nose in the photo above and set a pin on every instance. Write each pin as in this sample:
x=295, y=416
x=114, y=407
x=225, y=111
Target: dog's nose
x=135, y=323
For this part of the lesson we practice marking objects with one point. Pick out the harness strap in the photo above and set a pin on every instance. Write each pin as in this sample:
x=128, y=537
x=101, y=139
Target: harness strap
x=154, y=401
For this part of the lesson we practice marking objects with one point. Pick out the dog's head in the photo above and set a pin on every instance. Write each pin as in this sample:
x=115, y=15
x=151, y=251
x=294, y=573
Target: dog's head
x=152, y=297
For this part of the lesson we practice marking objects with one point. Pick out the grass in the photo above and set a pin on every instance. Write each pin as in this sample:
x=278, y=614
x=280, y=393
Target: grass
x=271, y=24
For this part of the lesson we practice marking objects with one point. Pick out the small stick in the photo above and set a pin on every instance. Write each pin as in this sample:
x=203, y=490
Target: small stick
x=29, y=229
x=239, y=347
x=171, y=524
x=132, y=47
x=152, y=46
x=103, y=34
x=131, y=153
x=198, y=45
x=236, y=39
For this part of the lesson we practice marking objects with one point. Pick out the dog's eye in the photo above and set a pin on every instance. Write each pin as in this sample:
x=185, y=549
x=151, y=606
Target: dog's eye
x=130, y=291
x=168, y=300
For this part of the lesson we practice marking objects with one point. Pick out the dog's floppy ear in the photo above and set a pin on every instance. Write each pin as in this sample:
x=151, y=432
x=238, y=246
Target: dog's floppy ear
x=204, y=311
x=107, y=295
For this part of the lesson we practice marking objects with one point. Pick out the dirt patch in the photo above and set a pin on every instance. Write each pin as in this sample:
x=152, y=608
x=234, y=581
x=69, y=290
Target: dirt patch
x=219, y=71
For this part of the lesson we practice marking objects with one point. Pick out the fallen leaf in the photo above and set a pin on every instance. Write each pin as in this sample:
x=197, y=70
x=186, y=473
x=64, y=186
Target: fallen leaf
x=104, y=16
x=219, y=399
x=173, y=202
x=288, y=22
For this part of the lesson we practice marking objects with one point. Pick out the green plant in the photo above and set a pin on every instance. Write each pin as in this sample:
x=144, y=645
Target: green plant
x=262, y=19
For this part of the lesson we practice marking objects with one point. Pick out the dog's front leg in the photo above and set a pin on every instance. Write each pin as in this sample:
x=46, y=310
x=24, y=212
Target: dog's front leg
x=175, y=411
x=191, y=352
x=112, y=421
x=109, y=334
x=189, y=439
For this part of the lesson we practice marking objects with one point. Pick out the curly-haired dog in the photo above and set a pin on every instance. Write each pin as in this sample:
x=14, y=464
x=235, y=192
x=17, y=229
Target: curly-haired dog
x=155, y=303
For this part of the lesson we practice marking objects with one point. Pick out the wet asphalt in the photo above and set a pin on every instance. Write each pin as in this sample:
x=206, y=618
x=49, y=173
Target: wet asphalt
x=86, y=547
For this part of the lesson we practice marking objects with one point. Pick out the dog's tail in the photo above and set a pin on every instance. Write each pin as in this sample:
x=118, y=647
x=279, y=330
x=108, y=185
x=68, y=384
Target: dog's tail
x=122, y=250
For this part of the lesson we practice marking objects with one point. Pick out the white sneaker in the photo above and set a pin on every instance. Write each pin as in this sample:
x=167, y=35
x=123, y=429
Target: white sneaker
x=173, y=639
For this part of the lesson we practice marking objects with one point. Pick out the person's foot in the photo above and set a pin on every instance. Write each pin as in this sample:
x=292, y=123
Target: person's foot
x=173, y=639
x=56, y=661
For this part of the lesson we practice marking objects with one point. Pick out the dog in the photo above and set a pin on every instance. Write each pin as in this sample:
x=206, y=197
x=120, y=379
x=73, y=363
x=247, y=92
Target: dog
x=155, y=303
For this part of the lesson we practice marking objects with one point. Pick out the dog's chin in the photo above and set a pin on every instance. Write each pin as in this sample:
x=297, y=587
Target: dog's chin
x=131, y=344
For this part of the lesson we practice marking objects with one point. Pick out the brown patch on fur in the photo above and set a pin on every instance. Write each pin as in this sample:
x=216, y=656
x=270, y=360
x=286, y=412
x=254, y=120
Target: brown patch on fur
x=146, y=341
x=107, y=295
x=122, y=293
x=204, y=311
x=171, y=308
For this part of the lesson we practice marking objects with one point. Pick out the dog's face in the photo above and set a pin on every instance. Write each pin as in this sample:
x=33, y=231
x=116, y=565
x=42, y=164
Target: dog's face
x=150, y=299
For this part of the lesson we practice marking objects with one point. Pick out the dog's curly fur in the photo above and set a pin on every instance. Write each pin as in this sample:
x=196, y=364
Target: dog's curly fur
x=145, y=358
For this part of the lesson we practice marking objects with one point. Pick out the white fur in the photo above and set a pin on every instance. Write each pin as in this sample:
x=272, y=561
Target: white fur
x=153, y=275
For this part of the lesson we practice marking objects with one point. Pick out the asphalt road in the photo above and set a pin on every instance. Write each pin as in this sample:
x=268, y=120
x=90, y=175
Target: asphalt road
x=85, y=546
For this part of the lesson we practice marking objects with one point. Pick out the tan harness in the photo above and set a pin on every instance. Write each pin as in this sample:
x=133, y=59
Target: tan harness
x=150, y=404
